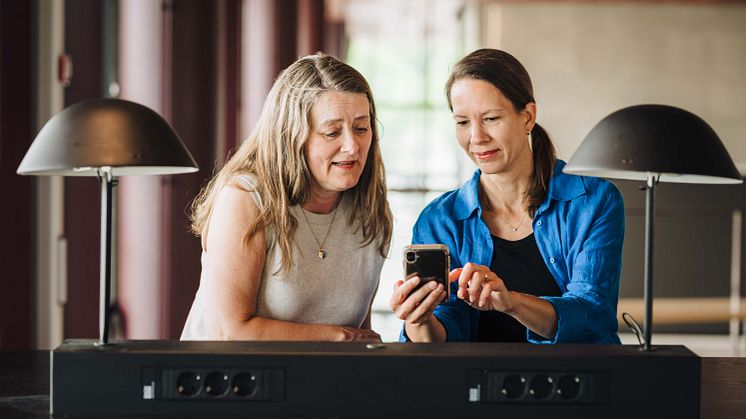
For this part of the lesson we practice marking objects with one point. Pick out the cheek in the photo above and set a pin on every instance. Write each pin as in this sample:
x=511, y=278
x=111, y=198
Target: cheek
x=365, y=148
x=463, y=139
x=316, y=158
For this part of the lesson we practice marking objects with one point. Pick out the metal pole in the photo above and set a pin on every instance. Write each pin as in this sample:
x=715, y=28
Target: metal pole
x=648, y=296
x=107, y=182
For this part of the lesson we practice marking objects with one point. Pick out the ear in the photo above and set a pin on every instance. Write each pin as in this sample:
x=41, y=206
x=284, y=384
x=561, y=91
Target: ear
x=529, y=115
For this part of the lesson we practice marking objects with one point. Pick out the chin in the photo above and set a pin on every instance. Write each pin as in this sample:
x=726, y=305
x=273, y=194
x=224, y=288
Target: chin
x=491, y=168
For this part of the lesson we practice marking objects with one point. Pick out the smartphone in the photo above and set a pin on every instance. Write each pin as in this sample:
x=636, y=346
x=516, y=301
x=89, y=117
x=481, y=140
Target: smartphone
x=431, y=262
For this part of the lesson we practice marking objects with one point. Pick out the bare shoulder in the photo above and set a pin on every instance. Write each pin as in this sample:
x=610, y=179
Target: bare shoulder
x=234, y=210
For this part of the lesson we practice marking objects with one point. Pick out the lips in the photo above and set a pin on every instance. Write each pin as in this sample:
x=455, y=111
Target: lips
x=484, y=155
x=344, y=164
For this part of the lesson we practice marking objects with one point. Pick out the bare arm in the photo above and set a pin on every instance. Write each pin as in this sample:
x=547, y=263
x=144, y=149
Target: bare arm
x=232, y=273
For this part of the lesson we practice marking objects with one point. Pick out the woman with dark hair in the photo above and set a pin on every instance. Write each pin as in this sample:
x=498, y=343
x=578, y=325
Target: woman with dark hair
x=536, y=254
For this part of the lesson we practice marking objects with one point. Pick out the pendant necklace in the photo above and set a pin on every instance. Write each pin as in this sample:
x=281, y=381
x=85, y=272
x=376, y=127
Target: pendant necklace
x=519, y=224
x=321, y=252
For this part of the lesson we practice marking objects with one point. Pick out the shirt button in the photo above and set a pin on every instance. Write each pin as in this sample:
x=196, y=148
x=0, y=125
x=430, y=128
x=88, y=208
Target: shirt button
x=551, y=260
x=538, y=223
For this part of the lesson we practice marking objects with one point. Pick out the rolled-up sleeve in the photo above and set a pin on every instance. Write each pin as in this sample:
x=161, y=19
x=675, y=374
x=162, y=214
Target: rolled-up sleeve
x=586, y=311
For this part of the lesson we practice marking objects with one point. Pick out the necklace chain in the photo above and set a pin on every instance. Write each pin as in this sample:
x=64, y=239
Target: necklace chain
x=525, y=215
x=321, y=252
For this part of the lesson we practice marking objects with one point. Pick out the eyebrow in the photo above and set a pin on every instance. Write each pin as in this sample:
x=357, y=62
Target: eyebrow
x=483, y=113
x=332, y=121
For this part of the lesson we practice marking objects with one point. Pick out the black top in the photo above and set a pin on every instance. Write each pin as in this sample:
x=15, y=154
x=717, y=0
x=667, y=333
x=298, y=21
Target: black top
x=522, y=269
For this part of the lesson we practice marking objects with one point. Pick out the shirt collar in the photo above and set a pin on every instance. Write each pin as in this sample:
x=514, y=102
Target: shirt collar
x=562, y=187
x=468, y=198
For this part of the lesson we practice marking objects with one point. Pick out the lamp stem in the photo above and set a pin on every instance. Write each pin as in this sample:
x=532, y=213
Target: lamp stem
x=648, y=296
x=107, y=182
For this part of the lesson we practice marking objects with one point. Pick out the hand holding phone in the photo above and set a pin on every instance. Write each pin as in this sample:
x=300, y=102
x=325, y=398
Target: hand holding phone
x=412, y=302
x=430, y=262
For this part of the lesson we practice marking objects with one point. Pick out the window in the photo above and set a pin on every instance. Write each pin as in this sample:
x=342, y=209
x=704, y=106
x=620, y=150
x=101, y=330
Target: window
x=406, y=49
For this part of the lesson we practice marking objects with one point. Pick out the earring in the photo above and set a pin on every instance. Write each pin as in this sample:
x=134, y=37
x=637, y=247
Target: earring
x=530, y=142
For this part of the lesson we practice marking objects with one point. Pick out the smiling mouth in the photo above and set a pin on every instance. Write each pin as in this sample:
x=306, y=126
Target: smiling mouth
x=345, y=163
x=486, y=154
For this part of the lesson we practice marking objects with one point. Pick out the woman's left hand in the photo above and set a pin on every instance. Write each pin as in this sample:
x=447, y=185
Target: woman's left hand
x=482, y=289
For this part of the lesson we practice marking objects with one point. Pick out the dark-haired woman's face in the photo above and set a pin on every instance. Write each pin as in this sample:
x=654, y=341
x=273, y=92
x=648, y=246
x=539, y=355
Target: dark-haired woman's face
x=488, y=127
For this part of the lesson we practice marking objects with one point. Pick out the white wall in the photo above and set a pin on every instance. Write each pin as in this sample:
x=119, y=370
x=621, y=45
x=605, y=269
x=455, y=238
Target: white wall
x=588, y=60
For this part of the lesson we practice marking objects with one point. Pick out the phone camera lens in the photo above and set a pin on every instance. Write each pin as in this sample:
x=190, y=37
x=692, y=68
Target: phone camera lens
x=411, y=257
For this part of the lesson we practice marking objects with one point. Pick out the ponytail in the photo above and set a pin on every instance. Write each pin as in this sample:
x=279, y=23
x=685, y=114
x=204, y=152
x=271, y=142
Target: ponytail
x=543, y=155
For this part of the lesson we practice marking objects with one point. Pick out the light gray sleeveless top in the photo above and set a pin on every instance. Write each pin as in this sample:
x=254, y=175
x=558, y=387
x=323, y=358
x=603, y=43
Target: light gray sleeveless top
x=336, y=290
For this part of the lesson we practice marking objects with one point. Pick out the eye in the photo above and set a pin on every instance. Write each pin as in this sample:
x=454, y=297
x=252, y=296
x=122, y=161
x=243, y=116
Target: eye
x=331, y=134
x=491, y=119
x=361, y=130
x=462, y=123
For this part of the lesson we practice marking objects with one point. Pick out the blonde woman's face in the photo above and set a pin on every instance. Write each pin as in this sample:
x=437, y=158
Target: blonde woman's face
x=488, y=128
x=340, y=138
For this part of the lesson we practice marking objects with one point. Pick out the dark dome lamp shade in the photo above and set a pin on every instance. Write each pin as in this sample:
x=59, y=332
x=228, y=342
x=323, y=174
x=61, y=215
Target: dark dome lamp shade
x=653, y=143
x=106, y=138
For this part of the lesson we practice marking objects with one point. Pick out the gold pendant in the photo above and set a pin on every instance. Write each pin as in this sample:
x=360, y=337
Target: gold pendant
x=322, y=254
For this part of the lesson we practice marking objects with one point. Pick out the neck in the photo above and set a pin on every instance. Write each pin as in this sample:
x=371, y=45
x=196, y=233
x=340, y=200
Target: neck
x=505, y=191
x=322, y=202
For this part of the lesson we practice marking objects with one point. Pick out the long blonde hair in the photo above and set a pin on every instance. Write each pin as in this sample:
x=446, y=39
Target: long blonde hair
x=273, y=155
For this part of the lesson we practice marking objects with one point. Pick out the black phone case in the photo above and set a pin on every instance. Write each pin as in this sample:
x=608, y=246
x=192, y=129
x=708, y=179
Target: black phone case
x=429, y=265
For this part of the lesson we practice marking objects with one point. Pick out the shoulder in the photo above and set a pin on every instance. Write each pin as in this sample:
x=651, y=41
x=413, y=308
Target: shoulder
x=441, y=206
x=248, y=184
x=234, y=207
x=591, y=190
x=440, y=220
x=457, y=204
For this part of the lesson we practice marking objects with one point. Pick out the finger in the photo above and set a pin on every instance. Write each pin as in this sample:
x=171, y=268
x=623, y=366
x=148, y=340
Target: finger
x=440, y=296
x=485, y=295
x=454, y=274
x=465, y=276
x=394, y=301
x=414, y=300
x=475, y=285
x=406, y=288
x=427, y=305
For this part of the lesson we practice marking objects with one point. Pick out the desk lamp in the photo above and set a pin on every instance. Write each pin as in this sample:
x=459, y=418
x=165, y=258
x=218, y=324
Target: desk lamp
x=653, y=143
x=106, y=138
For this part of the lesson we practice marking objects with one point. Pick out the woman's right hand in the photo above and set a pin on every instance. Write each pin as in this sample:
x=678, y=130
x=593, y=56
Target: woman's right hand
x=416, y=307
x=352, y=334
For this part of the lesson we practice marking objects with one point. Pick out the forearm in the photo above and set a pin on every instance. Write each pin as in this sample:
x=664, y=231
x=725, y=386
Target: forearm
x=535, y=313
x=429, y=331
x=262, y=328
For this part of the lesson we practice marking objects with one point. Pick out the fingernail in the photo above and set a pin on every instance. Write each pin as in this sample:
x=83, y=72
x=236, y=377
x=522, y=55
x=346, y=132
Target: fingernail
x=415, y=279
x=432, y=285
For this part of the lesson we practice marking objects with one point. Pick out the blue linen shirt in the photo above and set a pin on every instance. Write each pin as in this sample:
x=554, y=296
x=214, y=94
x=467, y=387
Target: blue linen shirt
x=579, y=230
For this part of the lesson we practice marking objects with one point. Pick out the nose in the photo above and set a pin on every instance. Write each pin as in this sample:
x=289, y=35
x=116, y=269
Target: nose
x=349, y=143
x=478, y=134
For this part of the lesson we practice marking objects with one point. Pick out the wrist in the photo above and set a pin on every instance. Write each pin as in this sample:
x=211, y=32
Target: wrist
x=515, y=302
x=418, y=332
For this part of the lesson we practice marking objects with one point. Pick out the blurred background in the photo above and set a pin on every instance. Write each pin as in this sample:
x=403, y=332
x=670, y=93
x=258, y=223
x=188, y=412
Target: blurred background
x=206, y=67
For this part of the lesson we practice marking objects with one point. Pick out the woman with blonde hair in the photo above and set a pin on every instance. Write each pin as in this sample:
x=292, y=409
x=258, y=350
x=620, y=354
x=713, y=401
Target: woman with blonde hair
x=296, y=225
